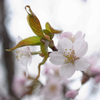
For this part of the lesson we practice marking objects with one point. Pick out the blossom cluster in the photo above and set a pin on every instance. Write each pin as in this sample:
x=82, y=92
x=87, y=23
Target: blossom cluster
x=68, y=57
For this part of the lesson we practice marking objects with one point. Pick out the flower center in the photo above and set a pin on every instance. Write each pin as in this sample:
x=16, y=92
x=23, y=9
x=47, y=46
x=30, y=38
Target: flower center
x=19, y=54
x=53, y=88
x=70, y=55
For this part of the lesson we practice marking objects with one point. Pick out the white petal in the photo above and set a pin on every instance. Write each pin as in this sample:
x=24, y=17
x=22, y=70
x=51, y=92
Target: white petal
x=25, y=60
x=18, y=39
x=67, y=70
x=64, y=43
x=81, y=64
x=78, y=35
x=80, y=47
x=57, y=58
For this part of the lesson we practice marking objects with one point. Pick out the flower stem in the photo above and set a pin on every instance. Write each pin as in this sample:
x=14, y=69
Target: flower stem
x=35, y=53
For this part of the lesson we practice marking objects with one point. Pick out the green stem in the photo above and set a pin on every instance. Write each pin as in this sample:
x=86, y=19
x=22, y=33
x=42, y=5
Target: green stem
x=35, y=53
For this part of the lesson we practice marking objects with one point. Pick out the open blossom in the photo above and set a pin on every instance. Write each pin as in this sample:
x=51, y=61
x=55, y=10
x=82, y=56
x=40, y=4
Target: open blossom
x=70, y=56
x=72, y=37
x=24, y=54
x=52, y=89
x=18, y=86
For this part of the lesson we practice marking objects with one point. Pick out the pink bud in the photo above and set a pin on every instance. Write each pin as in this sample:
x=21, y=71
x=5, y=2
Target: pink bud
x=71, y=94
x=94, y=70
x=97, y=78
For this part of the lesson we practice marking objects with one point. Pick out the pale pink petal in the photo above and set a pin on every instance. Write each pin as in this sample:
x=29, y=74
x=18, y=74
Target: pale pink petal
x=81, y=64
x=66, y=34
x=56, y=58
x=67, y=70
x=64, y=43
x=78, y=35
x=26, y=57
x=80, y=47
x=83, y=35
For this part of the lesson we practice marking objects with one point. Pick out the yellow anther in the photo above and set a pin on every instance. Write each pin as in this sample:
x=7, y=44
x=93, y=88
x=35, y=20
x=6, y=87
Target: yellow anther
x=65, y=60
x=70, y=49
x=68, y=52
x=64, y=52
x=65, y=49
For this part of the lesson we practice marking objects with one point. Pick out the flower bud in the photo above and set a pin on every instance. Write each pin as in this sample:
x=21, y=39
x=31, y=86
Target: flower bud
x=97, y=78
x=71, y=94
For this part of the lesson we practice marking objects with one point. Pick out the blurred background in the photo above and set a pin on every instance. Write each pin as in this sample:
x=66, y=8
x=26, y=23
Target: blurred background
x=66, y=15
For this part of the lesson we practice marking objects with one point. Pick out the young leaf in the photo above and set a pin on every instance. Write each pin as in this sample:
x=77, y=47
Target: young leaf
x=31, y=41
x=52, y=30
x=46, y=32
x=33, y=22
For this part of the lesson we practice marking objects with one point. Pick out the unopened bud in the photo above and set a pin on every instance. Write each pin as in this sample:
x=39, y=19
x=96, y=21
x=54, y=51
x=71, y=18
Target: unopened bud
x=71, y=94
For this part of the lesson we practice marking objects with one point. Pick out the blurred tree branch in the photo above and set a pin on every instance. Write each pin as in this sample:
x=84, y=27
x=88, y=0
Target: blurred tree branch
x=7, y=56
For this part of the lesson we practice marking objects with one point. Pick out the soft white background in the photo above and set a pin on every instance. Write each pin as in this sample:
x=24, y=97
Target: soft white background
x=67, y=15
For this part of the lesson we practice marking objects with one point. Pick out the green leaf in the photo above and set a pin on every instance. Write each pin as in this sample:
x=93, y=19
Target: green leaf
x=47, y=32
x=31, y=41
x=51, y=29
x=33, y=22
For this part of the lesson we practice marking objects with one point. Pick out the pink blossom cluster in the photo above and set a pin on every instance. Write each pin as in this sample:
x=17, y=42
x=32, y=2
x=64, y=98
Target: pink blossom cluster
x=69, y=57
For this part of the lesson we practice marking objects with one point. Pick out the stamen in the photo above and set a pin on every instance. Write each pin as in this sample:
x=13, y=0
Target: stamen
x=71, y=57
x=68, y=52
x=68, y=60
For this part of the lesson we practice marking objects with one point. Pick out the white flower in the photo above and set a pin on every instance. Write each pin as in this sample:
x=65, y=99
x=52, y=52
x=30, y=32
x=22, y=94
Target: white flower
x=52, y=89
x=24, y=54
x=70, y=56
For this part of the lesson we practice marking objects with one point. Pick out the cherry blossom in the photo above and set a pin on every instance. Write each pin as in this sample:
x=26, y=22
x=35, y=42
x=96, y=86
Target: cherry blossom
x=24, y=54
x=52, y=89
x=72, y=37
x=18, y=86
x=70, y=56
